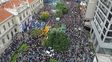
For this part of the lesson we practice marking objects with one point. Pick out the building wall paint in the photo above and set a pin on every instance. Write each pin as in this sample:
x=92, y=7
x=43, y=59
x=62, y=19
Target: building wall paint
x=17, y=23
x=101, y=44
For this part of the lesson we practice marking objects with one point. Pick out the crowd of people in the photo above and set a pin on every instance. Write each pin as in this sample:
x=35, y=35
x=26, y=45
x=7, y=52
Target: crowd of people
x=79, y=50
x=16, y=42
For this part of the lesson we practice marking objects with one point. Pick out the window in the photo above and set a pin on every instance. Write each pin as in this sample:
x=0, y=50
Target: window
x=102, y=36
x=91, y=30
x=24, y=15
x=106, y=24
x=28, y=20
x=11, y=33
x=110, y=27
x=8, y=24
x=111, y=9
x=7, y=36
x=109, y=16
x=15, y=30
x=26, y=12
x=108, y=40
x=93, y=36
x=20, y=18
x=107, y=3
x=96, y=44
x=109, y=33
x=12, y=21
x=104, y=31
x=25, y=23
x=33, y=5
x=108, y=51
x=101, y=15
x=97, y=27
x=0, y=32
x=97, y=3
x=103, y=9
x=4, y=27
x=99, y=21
x=3, y=41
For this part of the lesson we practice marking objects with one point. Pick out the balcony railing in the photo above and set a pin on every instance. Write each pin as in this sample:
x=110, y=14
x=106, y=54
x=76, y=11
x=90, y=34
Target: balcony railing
x=103, y=9
x=106, y=3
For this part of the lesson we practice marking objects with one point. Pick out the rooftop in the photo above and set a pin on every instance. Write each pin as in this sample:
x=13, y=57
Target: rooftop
x=4, y=14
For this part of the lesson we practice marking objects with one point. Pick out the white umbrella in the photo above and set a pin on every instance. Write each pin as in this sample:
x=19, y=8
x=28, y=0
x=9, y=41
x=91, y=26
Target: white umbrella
x=57, y=18
x=47, y=52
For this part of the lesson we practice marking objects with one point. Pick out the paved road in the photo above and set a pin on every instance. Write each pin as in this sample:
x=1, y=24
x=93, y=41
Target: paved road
x=79, y=50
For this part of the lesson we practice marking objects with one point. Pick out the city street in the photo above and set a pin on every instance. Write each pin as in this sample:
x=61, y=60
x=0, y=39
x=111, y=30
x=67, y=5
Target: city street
x=79, y=50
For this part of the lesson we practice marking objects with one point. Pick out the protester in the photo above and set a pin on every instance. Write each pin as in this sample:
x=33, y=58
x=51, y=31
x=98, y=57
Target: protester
x=79, y=50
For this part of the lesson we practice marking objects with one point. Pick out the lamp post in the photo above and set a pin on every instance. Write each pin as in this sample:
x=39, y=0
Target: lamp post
x=79, y=31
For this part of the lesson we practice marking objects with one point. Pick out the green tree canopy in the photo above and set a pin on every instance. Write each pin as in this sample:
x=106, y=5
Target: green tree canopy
x=35, y=33
x=53, y=60
x=65, y=10
x=59, y=13
x=44, y=15
x=58, y=41
x=60, y=6
x=62, y=9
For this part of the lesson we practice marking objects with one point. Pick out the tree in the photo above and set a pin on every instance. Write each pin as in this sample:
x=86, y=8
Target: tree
x=62, y=9
x=35, y=33
x=78, y=6
x=65, y=10
x=53, y=60
x=59, y=6
x=44, y=15
x=46, y=30
x=59, y=13
x=58, y=41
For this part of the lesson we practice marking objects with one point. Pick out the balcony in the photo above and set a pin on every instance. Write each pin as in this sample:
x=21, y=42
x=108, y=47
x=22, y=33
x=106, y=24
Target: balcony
x=103, y=9
x=106, y=3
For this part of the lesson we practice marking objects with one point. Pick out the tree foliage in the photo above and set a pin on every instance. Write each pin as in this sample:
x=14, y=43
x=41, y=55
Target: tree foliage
x=59, y=6
x=44, y=15
x=58, y=41
x=65, y=10
x=35, y=33
x=62, y=9
x=22, y=47
x=53, y=60
x=59, y=13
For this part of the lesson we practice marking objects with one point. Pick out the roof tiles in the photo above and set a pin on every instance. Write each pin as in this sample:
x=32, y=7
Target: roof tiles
x=4, y=14
x=10, y=4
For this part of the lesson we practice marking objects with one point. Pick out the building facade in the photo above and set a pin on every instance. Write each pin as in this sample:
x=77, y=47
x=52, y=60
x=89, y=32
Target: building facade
x=102, y=58
x=87, y=10
x=101, y=32
x=7, y=31
x=14, y=17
